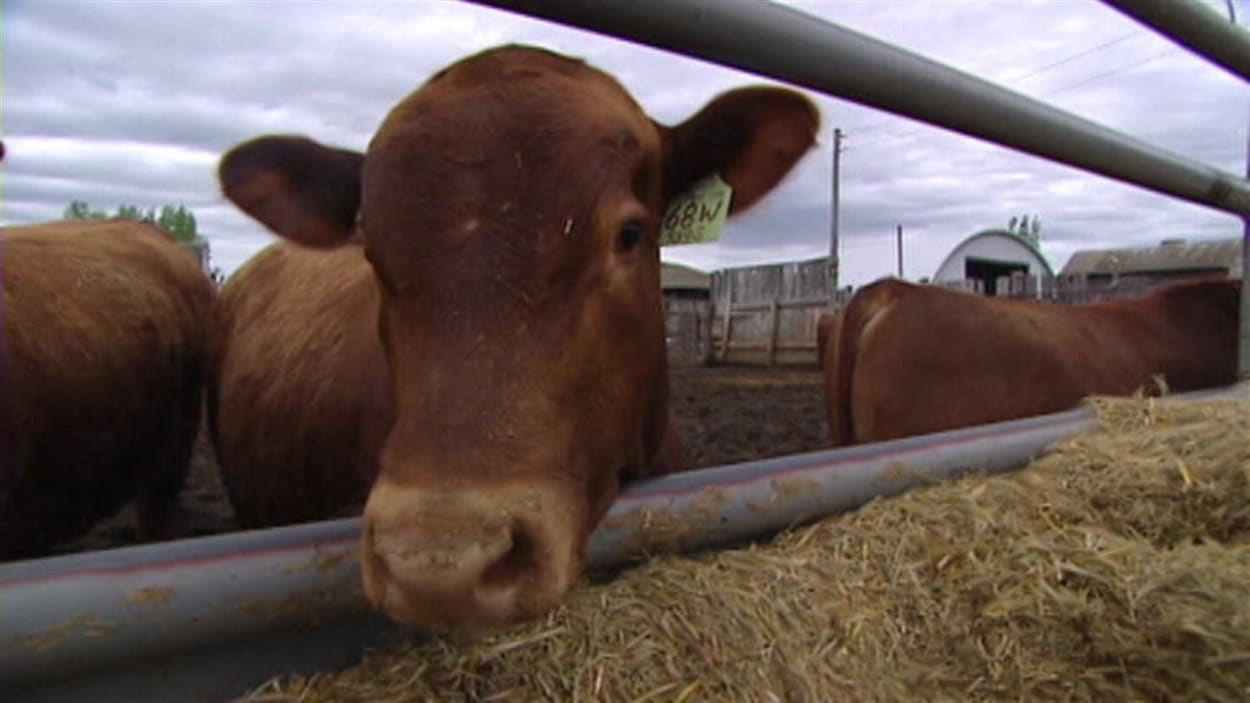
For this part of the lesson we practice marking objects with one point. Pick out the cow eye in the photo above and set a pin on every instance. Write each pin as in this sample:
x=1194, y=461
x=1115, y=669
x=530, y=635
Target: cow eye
x=631, y=235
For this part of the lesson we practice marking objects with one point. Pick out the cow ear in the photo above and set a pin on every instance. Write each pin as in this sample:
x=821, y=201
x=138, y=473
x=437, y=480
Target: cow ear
x=301, y=190
x=752, y=137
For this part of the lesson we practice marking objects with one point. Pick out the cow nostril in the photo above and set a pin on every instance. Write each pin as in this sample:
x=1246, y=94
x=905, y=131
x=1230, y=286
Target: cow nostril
x=510, y=567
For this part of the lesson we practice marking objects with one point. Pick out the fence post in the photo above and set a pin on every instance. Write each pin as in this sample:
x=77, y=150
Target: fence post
x=727, y=315
x=704, y=322
x=773, y=309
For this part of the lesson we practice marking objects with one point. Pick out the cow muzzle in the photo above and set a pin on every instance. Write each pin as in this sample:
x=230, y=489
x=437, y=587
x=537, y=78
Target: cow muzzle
x=469, y=559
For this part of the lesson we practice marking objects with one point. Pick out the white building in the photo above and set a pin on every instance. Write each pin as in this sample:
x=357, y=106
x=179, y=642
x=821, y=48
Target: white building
x=987, y=255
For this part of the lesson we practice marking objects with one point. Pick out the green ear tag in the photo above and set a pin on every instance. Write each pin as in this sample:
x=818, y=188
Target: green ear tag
x=699, y=214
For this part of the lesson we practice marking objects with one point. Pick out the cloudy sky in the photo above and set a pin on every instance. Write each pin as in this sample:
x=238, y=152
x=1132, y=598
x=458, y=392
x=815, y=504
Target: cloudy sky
x=113, y=101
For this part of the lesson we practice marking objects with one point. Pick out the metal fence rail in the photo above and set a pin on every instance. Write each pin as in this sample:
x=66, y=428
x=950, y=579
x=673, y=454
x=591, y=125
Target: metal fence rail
x=1194, y=26
x=786, y=44
x=204, y=619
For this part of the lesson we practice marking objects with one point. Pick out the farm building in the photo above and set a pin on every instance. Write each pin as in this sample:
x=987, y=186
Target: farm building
x=687, y=313
x=988, y=255
x=1172, y=259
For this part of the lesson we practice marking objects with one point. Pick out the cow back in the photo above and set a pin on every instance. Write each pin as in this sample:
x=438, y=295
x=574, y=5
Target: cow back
x=103, y=360
x=932, y=359
x=1203, y=318
x=298, y=402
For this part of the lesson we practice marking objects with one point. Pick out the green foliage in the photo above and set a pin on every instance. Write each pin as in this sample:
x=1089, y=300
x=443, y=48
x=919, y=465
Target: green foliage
x=178, y=221
x=79, y=210
x=133, y=212
x=1026, y=228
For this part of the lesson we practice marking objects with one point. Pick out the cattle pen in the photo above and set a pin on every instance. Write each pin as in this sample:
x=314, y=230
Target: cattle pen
x=213, y=617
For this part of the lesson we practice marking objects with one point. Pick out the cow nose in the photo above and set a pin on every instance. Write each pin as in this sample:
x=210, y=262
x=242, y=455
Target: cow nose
x=470, y=560
x=450, y=570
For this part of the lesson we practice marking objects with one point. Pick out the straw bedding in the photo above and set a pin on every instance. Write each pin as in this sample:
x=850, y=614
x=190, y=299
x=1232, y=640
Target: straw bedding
x=1117, y=567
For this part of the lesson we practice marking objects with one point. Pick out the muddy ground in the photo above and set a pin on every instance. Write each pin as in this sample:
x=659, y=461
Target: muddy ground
x=727, y=415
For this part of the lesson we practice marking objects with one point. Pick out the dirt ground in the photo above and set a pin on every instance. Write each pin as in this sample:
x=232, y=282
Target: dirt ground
x=727, y=415
x=732, y=414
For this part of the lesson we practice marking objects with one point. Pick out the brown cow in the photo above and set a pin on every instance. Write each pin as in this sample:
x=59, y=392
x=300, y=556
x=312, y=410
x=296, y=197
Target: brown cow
x=826, y=329
x=911, y=359
x=488, y=340
x=300, y=401
x=101, y=373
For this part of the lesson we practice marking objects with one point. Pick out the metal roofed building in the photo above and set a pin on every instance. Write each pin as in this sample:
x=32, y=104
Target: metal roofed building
x=1172, y=259
x=990, y=254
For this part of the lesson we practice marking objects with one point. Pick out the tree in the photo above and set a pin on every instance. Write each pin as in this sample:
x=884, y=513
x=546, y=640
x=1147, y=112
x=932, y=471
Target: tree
x=178, y=221
x=132, y=212
x=1025, y=228
x=80, y=210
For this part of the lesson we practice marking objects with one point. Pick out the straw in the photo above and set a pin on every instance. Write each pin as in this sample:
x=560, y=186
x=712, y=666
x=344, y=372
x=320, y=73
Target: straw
x=1117, y=567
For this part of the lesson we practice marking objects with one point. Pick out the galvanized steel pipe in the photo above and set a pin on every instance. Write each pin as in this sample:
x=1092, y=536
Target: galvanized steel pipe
x=786, y=44
x=1194, y=26
x=208, y=617
x=715, y=507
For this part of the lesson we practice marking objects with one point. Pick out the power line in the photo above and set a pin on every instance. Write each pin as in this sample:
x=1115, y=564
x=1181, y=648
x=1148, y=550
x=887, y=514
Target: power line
x=1112, y=72
x=1073, y=57
x=873, y=126
x=1051, y=93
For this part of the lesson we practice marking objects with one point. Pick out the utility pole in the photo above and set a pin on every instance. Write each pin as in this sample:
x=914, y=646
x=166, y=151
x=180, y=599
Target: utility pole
x=833, y=220
x=899, y=239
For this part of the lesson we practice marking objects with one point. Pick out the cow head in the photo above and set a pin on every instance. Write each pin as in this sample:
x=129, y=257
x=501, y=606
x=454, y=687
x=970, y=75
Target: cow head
x=510, y=210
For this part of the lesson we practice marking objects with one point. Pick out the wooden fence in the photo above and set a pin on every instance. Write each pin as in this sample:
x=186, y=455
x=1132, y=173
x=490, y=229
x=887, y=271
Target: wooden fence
x=688, y=329
x=767, y=314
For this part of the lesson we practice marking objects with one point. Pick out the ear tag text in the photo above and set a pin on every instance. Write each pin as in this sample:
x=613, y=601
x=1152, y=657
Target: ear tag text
x=699, y=214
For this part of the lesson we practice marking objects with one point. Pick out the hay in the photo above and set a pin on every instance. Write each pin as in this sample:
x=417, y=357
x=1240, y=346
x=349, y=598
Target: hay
x=1115, y=568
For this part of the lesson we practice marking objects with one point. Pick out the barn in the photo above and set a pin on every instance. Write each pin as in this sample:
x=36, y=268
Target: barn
x=687, y=313
x=988, y=255
x=1173, y=259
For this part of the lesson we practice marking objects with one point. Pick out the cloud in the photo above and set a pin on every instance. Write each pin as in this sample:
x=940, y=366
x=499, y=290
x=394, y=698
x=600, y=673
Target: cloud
x=134, y=102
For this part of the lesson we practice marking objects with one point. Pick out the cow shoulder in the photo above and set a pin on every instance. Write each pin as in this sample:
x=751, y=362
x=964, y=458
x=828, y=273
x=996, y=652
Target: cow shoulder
x=847, y=345
x=298, y=356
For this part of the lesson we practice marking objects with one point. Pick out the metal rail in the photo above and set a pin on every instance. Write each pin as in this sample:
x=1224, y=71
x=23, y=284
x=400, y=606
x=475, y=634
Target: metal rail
x=1196, y=27
x=219, y=614
x=208, y=618
x=786, y=44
